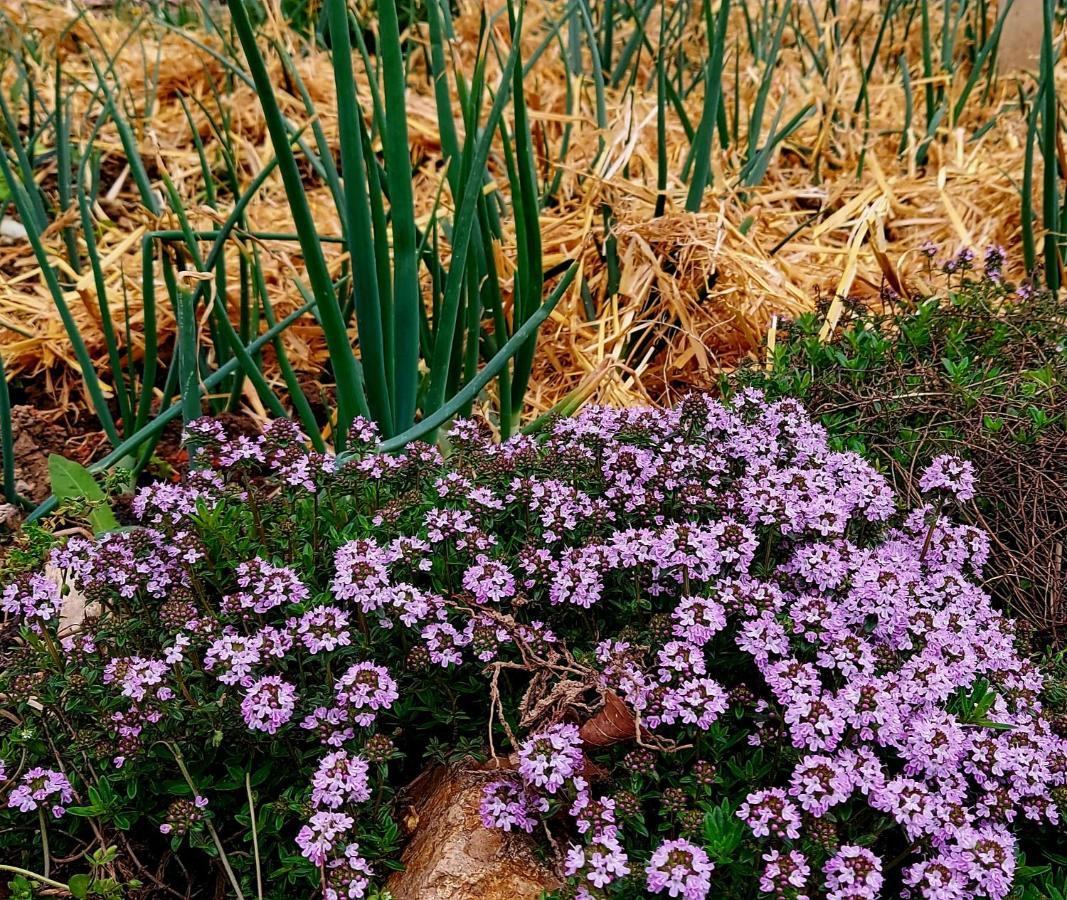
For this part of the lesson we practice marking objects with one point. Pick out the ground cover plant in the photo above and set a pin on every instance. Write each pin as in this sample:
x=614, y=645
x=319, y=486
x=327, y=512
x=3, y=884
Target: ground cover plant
x=977, y=369
x=726, y=661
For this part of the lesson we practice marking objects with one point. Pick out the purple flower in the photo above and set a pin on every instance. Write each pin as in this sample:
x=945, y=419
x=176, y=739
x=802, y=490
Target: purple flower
x=861, y=628
x=950, y=474
x=175, y=653
x=232, y=657
x=33, y=597
x=362, y=571
x=853, y=873
x=348, y=876
x=961, y=262
x=127, y=564
x=593, y=817
x=784, y=874
x=937, y=878
x=698, y=619
x=681, y=869
x=269, y=704
x=364, y=689
x=599, y=863
x=264, y=586
x=323, y=832
x=681, y=657
x=136, y=675
x=763, y=637
x=323, y=629
x=41, y=788
x=986, y=857
x=274, y=642
x=488, y=580
x=241, y=452
x=363, y=435
x=507, y=804
x=331, y=725
x=771, y=812
x=444, y=643
x=206, y=431
x=911, y=803
x=551, y=757
x=993, y=261
x=698, y=701
x=341, y=778
x=819, y=783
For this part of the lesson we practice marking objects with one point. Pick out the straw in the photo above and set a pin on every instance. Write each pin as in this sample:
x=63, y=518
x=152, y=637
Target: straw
x=818, y=199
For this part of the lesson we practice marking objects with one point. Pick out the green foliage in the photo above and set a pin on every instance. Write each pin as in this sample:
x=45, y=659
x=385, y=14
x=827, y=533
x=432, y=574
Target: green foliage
x=418, y=354
x=96, y=883
x=427, y=322
x=722, y=833
x=71, y=481
x=420, y=357
x=134, y=390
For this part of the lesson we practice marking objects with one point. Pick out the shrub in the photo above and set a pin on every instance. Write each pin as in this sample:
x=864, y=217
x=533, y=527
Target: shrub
x=724, y=662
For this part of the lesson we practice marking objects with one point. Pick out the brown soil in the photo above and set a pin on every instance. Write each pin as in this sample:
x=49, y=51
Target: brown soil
x=41, y=432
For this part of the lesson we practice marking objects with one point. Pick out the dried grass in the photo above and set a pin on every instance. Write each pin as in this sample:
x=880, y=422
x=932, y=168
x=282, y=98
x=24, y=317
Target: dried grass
x=697, y=291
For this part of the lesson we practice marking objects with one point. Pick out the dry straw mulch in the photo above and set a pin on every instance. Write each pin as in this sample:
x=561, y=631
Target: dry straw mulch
x=696, y=292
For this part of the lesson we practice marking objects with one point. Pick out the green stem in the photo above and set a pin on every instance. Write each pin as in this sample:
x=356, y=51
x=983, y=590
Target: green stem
x=255, y=835
x=44, y=842
x=176, y=753
x=160, y=421
x=26, y=873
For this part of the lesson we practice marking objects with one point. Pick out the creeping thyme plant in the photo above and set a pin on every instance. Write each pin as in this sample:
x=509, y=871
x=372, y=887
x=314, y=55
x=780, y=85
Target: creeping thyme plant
x=710, y=657
x=977, y=369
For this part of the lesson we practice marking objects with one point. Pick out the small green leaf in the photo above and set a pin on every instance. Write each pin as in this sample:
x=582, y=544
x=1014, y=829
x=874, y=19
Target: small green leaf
x=85, y=811
x=72, y=481
x=79, y=886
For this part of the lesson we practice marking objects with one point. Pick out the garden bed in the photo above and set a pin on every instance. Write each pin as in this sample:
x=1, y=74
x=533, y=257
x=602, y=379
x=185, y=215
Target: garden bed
x=719, y=653
x=576, y=450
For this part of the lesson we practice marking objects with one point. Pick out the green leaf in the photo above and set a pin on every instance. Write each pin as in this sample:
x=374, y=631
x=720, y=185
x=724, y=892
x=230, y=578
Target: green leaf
x=79, y=886
x=85, y=811
x=72, y=481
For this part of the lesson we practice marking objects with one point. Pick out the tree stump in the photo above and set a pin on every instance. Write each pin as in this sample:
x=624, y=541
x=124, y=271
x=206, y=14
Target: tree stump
x=452, y=856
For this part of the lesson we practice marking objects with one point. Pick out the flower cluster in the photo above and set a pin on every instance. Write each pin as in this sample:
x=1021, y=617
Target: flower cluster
x=264, y=586
x=34, y=598
x=507, y=804
x=951, y=475
x=183, y=816
x=269, y=704
x=551, y=758
x=785, y=874
x=40, y=788
x=681, y=869
x=647, y=602
x=853, y=873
